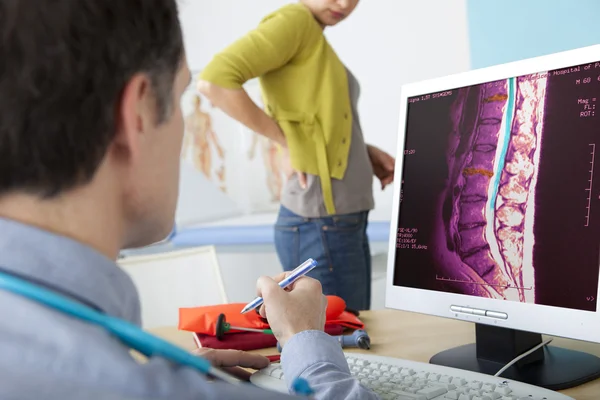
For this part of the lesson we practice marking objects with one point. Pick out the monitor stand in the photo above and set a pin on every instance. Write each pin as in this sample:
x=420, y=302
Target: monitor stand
x=550, y=367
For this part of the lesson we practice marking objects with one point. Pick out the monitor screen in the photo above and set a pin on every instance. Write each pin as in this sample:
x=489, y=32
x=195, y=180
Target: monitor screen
x=500, y=189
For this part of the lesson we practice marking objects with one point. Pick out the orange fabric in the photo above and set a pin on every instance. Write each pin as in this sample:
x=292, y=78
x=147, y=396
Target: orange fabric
x=347, y=320
x=204, y=319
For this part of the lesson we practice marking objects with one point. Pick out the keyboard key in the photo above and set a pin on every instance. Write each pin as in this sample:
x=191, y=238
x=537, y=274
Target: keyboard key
x=447, y=386
x=271, y=370
x=459, y=382
x=503, y=390
x=278, y=373
x=452, y=395
x=493, y=395
x=404, y=381
x=402, y=395
x=432, y=392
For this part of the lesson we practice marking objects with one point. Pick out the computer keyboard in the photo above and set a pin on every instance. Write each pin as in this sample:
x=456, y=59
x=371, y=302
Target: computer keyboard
x=393, y=378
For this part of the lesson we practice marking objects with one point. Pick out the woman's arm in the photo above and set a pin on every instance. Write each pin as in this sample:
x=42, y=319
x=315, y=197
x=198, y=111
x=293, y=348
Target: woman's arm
x=238, y=105
x=274, y=43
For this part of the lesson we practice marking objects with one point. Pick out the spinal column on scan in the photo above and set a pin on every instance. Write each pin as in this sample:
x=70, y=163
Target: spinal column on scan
x=515, y=202
x=492, y=224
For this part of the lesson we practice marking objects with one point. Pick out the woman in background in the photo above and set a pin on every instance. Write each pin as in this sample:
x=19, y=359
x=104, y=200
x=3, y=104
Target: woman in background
x=311, y=111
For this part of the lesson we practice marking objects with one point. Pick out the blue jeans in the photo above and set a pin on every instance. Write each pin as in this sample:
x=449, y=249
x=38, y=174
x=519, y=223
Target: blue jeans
x=340, y=246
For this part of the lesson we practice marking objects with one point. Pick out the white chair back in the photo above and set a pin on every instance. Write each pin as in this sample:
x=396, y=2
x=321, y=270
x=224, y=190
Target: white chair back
x=169, y=280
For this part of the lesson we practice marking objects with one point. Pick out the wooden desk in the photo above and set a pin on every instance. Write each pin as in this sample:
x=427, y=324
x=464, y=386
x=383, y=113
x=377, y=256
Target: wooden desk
x=416, y=337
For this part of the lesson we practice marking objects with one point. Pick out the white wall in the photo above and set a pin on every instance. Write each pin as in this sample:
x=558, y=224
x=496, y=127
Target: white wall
x=385, y=43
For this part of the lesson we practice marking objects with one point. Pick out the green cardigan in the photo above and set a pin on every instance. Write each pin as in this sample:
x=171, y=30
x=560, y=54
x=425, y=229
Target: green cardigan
x=304, y=88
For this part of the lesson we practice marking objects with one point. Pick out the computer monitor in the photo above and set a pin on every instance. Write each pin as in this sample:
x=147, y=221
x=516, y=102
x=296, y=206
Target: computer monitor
x=496, y=215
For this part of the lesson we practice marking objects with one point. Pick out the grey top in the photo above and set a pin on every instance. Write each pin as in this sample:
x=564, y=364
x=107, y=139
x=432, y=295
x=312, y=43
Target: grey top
x=46, y=354
x=353, y=193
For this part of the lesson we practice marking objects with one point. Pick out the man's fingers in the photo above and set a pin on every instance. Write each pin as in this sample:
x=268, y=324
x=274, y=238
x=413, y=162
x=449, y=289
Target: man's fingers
x=309, y=284
x=278, y=278
x=266, y=286
x=239, y=373
x=265, y=282
x=262, y=311
x=235, y=358
x=281, y=276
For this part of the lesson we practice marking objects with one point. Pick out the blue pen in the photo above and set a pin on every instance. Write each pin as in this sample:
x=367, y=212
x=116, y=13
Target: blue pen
x=299, y=271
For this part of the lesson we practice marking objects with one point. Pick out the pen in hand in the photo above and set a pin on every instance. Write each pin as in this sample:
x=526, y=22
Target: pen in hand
x=298, y=272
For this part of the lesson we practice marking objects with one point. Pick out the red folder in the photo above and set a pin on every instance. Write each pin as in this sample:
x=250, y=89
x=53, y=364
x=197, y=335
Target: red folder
x=249, y=340
x=203, y=320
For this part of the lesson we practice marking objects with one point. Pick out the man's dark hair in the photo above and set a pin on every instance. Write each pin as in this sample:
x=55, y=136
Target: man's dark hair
x=63, y=67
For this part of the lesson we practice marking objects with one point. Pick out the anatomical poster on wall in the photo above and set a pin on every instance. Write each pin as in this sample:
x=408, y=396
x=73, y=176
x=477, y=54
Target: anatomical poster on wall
x=267, y=161
x=227, y=169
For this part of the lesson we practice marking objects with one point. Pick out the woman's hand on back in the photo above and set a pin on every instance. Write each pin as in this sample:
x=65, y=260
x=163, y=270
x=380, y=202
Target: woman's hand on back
x=288, y=170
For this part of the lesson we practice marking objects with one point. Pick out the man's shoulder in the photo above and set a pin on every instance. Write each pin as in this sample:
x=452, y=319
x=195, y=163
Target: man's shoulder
x=45, y=351
x=47, y=354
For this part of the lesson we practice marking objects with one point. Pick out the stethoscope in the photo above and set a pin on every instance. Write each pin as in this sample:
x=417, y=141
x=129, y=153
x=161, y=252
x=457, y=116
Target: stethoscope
x=129, y=334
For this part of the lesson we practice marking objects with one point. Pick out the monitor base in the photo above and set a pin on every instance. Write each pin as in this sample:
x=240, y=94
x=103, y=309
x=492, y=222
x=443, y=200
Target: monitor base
x=553, y=368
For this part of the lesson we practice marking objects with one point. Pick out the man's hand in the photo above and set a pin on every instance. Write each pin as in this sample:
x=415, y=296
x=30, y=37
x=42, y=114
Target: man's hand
x=300, y=307
x=383, y=164
x=233, y=361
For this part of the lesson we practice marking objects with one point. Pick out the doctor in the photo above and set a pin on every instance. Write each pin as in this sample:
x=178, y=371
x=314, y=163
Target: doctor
x=90, y=137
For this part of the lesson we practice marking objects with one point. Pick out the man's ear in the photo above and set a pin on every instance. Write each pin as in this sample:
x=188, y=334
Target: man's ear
x=133, y=115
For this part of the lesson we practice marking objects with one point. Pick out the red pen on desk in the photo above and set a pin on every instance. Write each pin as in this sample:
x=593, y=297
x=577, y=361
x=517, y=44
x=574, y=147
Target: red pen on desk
x=275, y=358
